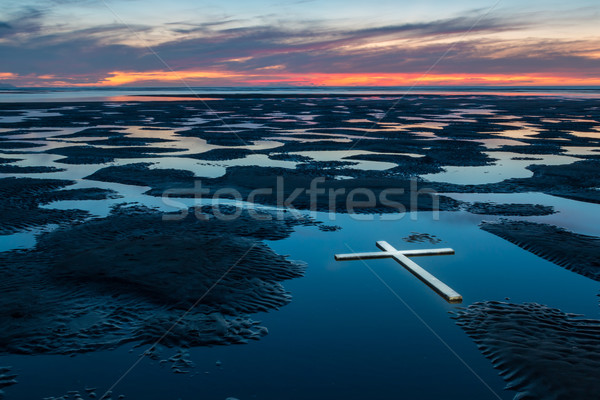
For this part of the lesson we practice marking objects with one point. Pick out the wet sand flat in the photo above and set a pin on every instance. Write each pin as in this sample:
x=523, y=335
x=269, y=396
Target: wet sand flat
x=112, y=261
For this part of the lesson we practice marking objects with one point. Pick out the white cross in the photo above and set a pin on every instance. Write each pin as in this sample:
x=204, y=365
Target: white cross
x=401, y=256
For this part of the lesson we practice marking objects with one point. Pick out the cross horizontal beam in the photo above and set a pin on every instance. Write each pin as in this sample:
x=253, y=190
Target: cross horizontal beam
x=401, y=256
x=386, y=254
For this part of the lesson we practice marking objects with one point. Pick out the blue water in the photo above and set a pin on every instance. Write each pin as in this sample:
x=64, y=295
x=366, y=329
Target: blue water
x=349, y=333
x=345, y=334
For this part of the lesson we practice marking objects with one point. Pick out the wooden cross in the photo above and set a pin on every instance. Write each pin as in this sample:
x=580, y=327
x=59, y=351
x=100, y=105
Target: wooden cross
x=401, y=256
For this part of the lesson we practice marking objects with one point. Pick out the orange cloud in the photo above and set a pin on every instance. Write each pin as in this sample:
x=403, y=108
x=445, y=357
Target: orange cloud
x=446, y=79
x=274, y=76
x=118, y=78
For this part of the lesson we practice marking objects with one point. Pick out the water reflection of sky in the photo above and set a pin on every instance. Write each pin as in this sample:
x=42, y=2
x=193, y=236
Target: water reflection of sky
x=505, y=167
x=344, y=333
x=573, y=215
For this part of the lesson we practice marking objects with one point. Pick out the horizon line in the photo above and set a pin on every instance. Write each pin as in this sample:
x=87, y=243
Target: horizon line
x=387, y=87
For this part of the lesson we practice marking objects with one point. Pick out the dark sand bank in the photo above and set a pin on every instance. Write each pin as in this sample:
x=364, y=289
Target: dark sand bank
x=130, y=276
x=541, y=352
x=178, y=183
x=512, y=209
x=244, y=180
x=10, y=145
x=576, y=252
x=108, y=132
x=15, y=169
x=129, y=141
x=99, y=155
x=416, y=237
x=223, y=154
x=9, y=160
x=20, y=199
x=7, y=378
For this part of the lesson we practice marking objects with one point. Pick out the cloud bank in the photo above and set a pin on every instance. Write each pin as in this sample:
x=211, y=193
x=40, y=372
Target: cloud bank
x=493, y=49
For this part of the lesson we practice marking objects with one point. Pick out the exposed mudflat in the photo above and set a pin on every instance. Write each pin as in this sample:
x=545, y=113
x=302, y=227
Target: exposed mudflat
x=512, y=209
x=99, y=155
x=576, y=252
x=130, y=276
x=7, y=378
x=284, y=187
x=15, y=169
x=20, y=199
x=416, y=237
x=541, y=352
x=90, y=281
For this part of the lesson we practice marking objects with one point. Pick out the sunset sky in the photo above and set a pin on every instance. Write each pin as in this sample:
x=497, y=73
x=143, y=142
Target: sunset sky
x=303, y=42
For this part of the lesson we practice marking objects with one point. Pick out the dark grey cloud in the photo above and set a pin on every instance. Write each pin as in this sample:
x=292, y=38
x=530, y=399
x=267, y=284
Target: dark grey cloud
x=27, y=21
x=464, y=58
x=444, y=27
x=275, y=44
x=187, y=27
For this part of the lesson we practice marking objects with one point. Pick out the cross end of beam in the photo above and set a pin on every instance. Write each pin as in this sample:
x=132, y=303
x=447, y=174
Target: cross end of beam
x=454, y=299
x=361, y=256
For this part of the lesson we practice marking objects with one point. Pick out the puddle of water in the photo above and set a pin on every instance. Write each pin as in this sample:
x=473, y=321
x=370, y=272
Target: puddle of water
x=523, y=131
x=504, y=168
x=309, y=132
x=497, y=143
x=306, y=140
x=44, y=133
x=246, y=125
x=420, y=125
x=576, y=216
x=194, y=121
x=590, y=135
x=581, y=151
x=341, y=155
x=475, y=111
x=308, y=118
x=360, y=121
x=71, y=171
x=28, y=114
x=21, y=240
x=209, y=169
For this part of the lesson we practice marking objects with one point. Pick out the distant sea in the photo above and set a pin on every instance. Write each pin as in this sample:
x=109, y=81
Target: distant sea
x=66, y=94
